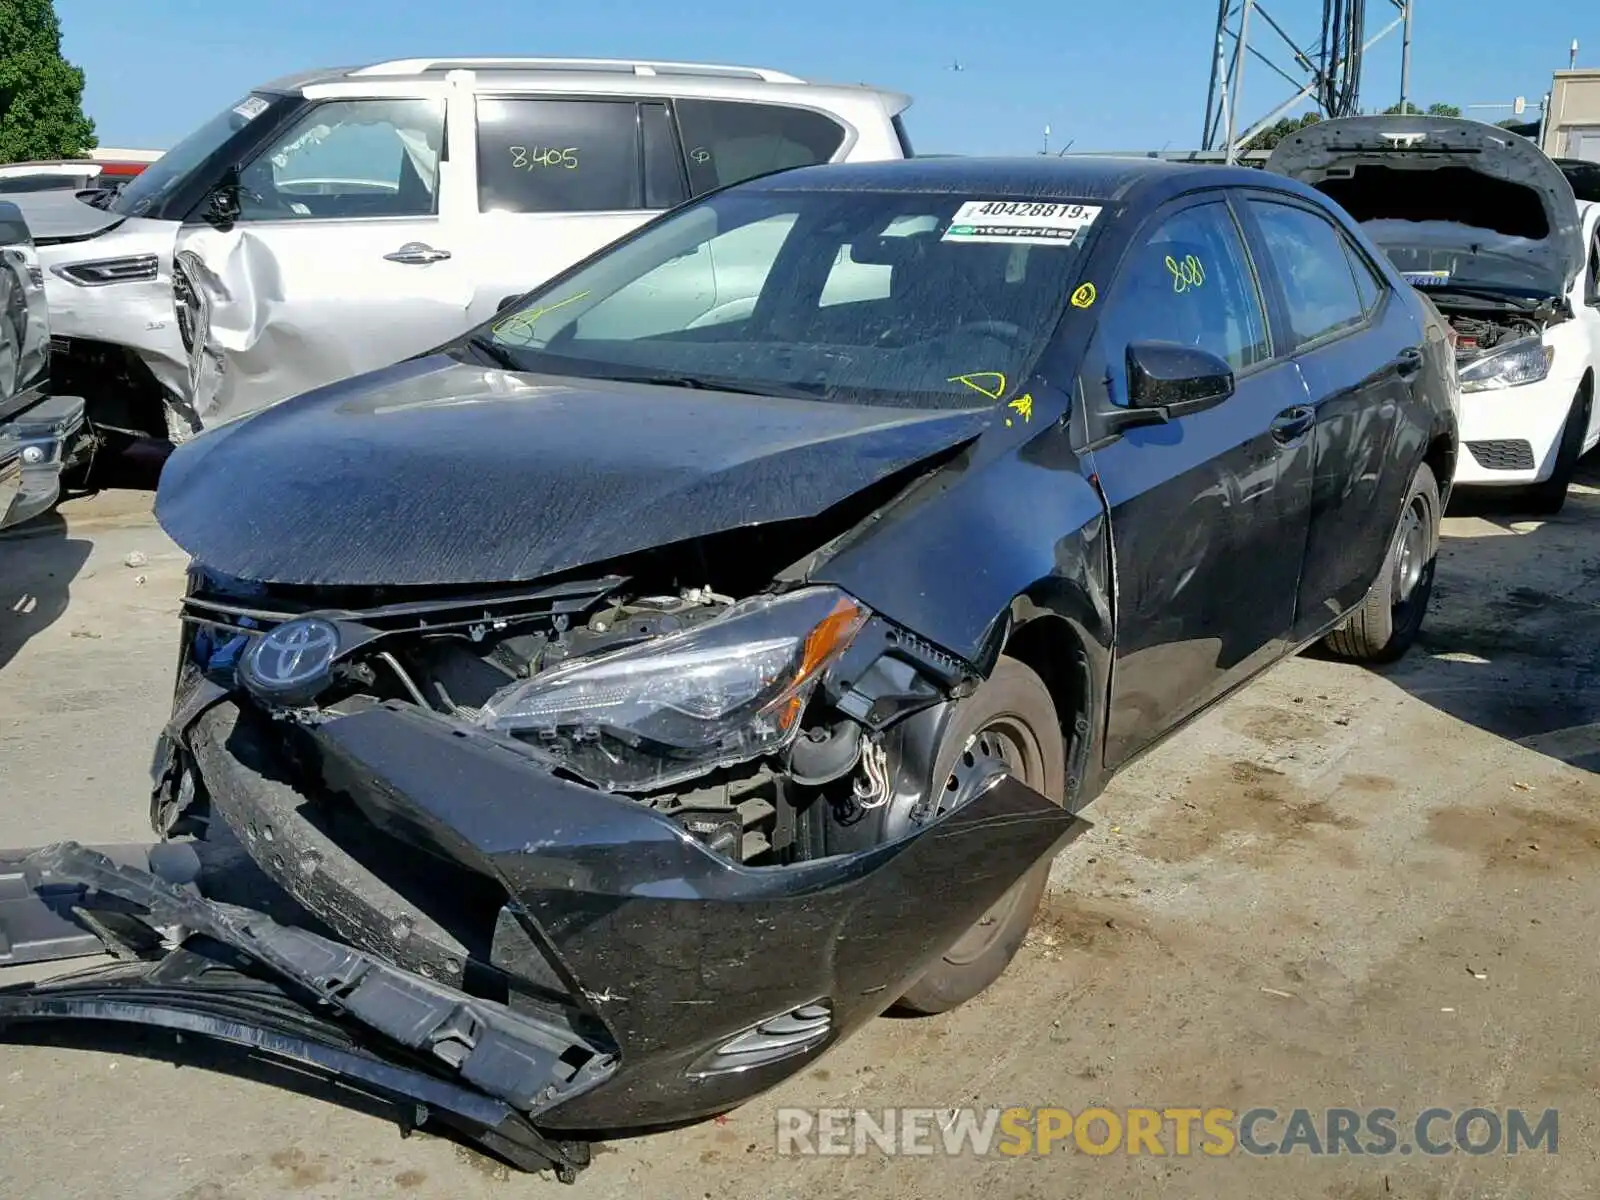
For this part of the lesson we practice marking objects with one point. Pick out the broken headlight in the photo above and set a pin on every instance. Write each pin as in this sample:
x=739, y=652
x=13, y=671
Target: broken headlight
x=1525, y=361
x=678, y=706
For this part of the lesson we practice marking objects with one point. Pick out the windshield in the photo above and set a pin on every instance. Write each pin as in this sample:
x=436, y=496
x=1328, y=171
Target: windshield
x=893, y=298
x=146, y=192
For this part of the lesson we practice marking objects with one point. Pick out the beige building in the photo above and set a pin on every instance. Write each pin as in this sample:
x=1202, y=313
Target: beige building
x=1573, y=127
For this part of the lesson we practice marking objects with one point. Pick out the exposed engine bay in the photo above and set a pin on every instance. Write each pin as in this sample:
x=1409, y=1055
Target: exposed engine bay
x=1476, y=334
x=725, y=714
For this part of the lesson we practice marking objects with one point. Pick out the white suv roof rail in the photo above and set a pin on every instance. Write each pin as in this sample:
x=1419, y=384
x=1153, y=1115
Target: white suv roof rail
x=414, y=66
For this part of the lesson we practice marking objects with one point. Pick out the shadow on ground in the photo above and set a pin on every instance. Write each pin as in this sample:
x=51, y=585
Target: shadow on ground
x=1512, y=639
x=38, y=562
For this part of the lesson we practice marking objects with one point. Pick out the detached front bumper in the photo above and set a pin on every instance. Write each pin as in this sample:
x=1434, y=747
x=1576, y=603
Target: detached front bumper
x=44, y=433
x=663, y=982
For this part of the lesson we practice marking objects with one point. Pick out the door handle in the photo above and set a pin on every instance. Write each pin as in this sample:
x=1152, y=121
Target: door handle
x=416, y=254
x=1293, y=423
x=1408, y=363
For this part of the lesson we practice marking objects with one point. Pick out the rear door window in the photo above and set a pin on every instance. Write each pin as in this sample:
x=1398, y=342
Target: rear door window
x=726, y=142
x=1309, y=255
x=553, y=156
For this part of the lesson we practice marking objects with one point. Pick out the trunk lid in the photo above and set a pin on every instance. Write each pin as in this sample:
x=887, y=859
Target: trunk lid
x=1452, y=202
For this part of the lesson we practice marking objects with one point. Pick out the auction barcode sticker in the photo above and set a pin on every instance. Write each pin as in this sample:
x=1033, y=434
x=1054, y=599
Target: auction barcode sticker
x=1019, y=221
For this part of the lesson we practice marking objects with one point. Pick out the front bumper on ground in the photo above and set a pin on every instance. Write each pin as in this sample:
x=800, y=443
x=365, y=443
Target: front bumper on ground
x=575, y=957
x=45, y=433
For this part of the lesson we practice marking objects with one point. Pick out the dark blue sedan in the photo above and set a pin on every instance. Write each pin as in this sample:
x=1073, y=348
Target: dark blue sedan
x=624, y=702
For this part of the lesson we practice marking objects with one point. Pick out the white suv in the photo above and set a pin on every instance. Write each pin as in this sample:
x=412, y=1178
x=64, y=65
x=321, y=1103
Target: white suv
x=335, y=221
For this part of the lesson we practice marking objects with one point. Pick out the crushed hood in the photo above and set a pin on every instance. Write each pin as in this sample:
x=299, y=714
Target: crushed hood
x=437, y=472
x=1504, y=214
x=60, y=216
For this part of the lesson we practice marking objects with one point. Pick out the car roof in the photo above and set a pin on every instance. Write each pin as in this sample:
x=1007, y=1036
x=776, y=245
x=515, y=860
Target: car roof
x=621, y=76
x=1109, y=178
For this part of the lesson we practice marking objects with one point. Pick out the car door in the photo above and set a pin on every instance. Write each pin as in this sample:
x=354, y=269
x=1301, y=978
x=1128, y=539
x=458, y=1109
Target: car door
x=340, y=256
x=1208, y=510
x=1359, y=348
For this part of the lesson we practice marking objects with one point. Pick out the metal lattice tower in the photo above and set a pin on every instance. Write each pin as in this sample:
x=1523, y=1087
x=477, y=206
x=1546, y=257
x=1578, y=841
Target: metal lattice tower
x=1327, y=72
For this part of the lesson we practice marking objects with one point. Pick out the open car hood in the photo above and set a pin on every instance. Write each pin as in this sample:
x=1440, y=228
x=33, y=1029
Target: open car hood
x=436, y=472
x=1461, y=232
x=60, y=216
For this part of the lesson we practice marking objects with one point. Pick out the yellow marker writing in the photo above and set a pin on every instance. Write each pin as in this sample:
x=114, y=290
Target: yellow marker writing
x=523, y=323
x=983, y=389
x=1023, y=406
x=1085, y=296
x=1189, y=273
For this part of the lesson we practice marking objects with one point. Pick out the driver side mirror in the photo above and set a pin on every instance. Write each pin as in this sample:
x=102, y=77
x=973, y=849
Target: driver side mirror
x=1168, y=380
x=222, y=206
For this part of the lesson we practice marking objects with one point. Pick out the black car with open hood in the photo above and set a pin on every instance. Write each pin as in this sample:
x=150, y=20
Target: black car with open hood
x=582, y=726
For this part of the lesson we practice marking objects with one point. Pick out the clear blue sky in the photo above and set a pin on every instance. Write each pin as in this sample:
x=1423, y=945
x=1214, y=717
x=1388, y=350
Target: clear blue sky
x=1123, y=74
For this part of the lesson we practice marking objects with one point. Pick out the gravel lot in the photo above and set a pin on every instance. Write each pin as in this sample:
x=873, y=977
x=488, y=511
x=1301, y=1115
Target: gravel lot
x=1341, y=888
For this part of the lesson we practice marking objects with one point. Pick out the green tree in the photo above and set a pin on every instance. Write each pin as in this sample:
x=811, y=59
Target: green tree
x=1269, y=137
x=1433, y=110
x=41, y=93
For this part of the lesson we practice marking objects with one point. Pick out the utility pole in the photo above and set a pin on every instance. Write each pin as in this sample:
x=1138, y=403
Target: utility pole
x=1405, y=59
x=1232, y=151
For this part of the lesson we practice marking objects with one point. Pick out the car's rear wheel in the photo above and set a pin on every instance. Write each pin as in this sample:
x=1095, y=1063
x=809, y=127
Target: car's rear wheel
x=1388, y=621
x=1009, y=724
x=1548, y=498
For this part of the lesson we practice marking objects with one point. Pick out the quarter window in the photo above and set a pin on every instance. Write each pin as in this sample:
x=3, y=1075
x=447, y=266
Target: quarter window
x=1190, y=282
x=1370, y=286
x=1312, y=263
x=349, y=158
x=552, y=156
x=726, y=142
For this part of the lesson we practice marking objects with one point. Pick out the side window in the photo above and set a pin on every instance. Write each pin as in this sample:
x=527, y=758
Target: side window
x=349, y=158
x=1189, y=282
x=553, y=156
x=726, y=142
x=1370, y=286
x=1310, y=257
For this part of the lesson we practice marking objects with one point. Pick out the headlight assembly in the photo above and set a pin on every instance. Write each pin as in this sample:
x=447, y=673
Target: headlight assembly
x=1525, y=361
x=675, y=707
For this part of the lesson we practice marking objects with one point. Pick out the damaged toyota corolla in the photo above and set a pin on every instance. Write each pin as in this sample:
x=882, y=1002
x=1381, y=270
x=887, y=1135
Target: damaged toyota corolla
x=627, y=700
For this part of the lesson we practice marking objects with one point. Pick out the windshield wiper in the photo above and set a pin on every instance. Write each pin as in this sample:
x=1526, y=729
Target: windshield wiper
x=496, y=354
x=789, y=391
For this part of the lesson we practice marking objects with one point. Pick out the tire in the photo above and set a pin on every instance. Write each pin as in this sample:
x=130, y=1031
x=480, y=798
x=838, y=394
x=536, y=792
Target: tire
x=1548, y=498
x=1389, y=619
x=1012, y=707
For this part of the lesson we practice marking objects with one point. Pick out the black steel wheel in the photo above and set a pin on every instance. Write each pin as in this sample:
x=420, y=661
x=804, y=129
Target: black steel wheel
x=1550, y=497
x=1009, y=725
x=1389, y=620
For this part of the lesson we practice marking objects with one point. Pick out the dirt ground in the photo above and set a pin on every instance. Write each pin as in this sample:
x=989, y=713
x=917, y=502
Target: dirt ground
x=1342, y=888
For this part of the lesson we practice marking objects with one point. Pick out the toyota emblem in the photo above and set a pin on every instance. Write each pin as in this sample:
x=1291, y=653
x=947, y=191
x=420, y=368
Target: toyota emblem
x=292, y=662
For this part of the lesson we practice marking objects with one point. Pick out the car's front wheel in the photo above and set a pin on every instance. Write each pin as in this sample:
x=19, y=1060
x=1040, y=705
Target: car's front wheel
x=1009, y=724
x=1388, y=621
x=1550, y=497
